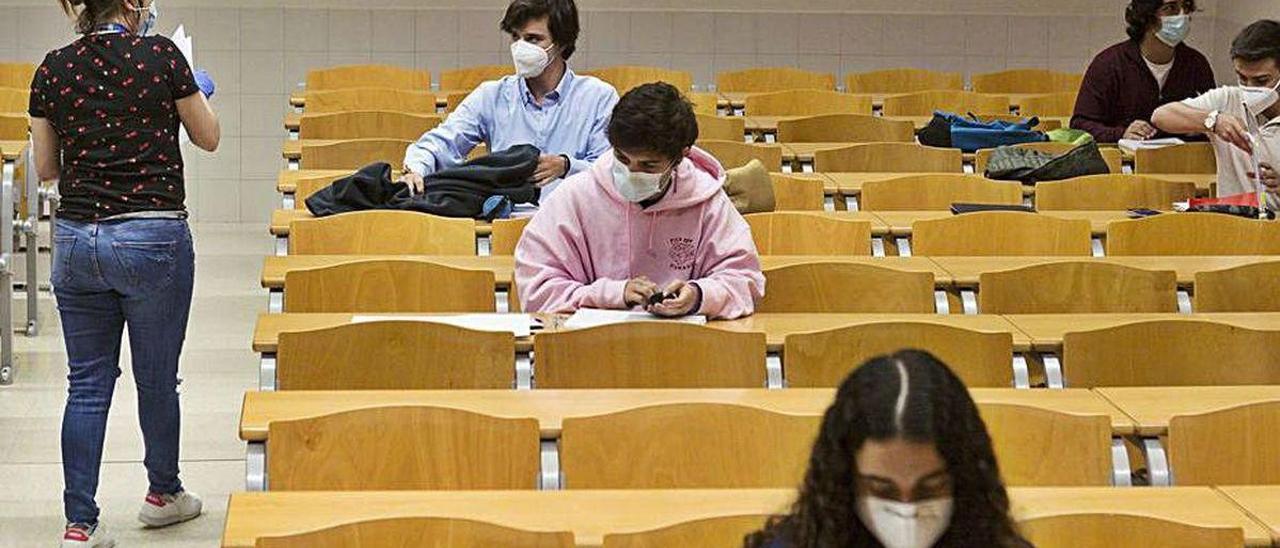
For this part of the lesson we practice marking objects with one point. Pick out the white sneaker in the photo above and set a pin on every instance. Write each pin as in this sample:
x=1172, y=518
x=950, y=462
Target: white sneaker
x=165, y=510
x=79, y=535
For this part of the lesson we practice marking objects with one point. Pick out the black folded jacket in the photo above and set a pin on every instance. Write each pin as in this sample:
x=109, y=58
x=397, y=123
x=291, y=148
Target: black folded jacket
x=455, y=192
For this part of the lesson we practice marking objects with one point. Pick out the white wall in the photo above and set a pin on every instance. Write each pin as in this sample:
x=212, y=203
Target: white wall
x=259, y=50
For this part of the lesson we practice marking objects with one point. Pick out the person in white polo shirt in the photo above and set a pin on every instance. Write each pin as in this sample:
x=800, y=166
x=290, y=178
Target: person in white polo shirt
x=1221, y=113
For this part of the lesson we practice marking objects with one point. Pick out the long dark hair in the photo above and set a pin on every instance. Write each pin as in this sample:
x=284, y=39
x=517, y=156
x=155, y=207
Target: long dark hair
x=937, y=410
x=91, y=13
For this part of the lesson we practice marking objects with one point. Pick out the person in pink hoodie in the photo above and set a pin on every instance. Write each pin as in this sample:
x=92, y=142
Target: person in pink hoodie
x=647, y=227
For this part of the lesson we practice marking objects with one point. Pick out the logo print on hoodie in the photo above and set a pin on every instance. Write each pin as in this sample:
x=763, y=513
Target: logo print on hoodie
x=682, y=253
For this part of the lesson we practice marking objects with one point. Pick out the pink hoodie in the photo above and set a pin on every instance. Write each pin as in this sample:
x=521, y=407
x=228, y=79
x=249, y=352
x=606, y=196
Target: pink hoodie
x=586, y=242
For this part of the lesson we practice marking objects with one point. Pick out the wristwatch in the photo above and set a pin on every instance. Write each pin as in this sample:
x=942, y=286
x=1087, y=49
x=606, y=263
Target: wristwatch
x=568, y=165
x=1211, y=122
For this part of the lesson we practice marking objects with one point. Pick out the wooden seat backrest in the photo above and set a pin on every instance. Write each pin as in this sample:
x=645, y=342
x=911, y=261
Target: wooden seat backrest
x=797, y=193
x=1078, y=287
x=403, y=448
x=846, y=288
x=734, y=154
x=1188, y=158
x=506, y=235
x=845, y=128
x=625, y=78
x=373, y=76
x=1178, y=352
x=419, y=532
x=936, y=191
x=1049, y=104
x=650, y=355
x=1089, y=530
x=721, y=128
x=763, y=80
x=367, y=124
x=382, y=233
x=399, y=100
x=924, y=103
x=1111, y=192
x=1187, y=234
x=1043, y=447
x=718, y=531
x=1026, y=81
x=1234, y=446
x=470, y=78
x=908, y=80
x=683, y=446
x=993, y=233
x=889, y=157
x=806, y=102
x=802, y=233
x=825, y=358
x=395, y=355
x=352, y=154
x=1239, y=289
x=389, y=286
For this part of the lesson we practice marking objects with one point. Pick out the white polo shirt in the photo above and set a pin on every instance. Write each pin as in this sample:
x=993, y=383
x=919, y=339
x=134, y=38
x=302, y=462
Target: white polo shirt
x=1233, y=164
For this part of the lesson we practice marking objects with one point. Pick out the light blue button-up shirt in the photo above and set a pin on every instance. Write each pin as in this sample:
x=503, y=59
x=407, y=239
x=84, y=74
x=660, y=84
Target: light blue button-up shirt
x=571, y=120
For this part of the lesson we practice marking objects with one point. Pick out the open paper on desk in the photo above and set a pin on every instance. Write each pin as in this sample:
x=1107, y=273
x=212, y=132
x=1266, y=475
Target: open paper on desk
x=519, y=325
x=1133, y=145
x=591, y=317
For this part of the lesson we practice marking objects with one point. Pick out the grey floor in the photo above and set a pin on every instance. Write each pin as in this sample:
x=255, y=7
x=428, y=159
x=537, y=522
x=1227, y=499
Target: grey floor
x=217, y=367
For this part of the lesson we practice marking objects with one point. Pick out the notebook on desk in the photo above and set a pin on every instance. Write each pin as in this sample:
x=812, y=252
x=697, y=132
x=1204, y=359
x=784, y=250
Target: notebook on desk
x=590, y=317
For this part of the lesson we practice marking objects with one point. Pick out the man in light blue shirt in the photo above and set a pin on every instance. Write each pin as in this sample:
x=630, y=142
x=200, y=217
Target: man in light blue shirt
x=544, y=104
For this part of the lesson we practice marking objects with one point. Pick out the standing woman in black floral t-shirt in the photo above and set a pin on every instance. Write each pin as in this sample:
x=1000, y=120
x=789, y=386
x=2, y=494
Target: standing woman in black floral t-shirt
x=105, y=117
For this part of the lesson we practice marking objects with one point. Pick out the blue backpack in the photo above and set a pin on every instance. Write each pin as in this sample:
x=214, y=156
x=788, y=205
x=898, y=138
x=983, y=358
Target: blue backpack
x=969, y=134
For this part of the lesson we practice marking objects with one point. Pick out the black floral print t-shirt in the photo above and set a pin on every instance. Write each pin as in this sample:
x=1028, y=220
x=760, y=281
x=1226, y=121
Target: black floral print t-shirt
x=111, y=100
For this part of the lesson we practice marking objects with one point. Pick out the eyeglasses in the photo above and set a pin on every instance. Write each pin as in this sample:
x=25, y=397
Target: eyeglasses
x=1177, y=7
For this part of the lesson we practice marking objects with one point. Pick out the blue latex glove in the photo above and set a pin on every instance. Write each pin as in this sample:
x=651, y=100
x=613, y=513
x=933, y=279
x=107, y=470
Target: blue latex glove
x=205, y=83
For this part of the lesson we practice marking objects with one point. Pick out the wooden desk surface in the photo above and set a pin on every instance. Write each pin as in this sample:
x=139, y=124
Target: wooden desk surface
x=590, y=515
x=1203, y=181
x=1262, y=502
x=900, y=221
x=965, y=271
x=287, y=180
x=1046, y=330
x=850, y=183
x=12, y=150
x=1152, y=407
x=551, y=407
x=281, y=218
x=1195, y=505
x=776, y=327
x=298, y=99
x=293, y=120
x=739, y=99
x=276, y=266
x=291, y=149
x=503, y=267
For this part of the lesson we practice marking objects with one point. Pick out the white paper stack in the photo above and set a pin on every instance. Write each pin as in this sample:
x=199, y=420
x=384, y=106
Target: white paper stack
x=1133, y=145
x=590, y=317
x=519, y=325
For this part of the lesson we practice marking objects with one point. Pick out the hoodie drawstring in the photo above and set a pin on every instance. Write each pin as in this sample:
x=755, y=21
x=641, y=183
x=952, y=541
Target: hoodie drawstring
x=652, y=217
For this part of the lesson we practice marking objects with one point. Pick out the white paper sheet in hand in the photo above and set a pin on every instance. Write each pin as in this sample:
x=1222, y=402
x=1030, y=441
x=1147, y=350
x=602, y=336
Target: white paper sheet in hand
x=516, y=324
x=590, y=317
x=185, y=45
x=1133, y=145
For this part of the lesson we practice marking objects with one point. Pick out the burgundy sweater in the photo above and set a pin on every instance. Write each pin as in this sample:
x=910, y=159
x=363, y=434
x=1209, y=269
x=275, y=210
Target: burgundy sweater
x=1119, y=88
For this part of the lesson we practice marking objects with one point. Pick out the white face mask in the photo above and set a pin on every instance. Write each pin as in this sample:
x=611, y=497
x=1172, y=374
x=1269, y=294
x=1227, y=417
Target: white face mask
x=906, y=524
x=1174, y=29
x=149, y=19
x=530, y=60
x=636, y=187
x=1260, y=99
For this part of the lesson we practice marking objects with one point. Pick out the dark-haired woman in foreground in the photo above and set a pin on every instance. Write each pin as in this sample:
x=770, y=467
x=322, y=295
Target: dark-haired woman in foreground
x=903, y=461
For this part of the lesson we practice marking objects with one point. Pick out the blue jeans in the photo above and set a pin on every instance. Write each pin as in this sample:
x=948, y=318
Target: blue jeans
x=106, y=276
